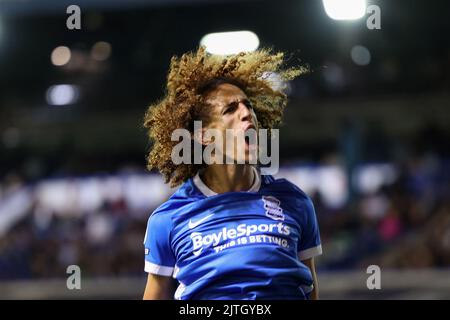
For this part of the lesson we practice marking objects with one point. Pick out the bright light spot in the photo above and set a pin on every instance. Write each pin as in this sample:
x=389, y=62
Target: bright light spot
x=345, y=9
x=360, y=55
x=101, y=51
x=370, y=178
x=332, y=185
x=329, y=181
x=60, y=56
x=99, y=228
x=276, y=83
x=62, y=94
x=227, y=43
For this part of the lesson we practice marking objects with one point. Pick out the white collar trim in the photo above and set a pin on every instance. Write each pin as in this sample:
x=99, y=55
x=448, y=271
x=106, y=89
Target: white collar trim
x=209, y=193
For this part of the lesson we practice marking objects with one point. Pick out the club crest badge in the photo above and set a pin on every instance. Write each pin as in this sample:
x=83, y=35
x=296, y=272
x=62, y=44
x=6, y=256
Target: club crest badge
x=273, y=209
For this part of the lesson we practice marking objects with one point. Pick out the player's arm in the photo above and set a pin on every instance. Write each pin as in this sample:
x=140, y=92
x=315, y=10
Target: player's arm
x=159, y=288
x=159, y=259
x=310, y=264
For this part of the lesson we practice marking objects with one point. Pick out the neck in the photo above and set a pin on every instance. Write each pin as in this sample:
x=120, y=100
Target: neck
x=228, y=177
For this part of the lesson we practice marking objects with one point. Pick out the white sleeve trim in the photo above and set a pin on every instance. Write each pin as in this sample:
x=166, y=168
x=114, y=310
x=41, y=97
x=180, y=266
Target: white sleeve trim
x=157, y=269
x=311, y=252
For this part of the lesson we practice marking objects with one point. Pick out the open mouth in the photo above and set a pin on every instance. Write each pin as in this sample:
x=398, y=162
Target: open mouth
x=249, y=133
x=250, y=144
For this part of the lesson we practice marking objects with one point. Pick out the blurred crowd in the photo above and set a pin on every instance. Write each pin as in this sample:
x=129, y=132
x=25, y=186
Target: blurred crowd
x=404, y=224
x=103, y=243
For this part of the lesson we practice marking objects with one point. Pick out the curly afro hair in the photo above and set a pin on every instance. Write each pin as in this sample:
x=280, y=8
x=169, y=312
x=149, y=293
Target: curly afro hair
x=190, y=78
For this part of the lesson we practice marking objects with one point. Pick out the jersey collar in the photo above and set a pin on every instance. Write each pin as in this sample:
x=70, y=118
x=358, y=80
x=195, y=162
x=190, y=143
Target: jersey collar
x=209, y=193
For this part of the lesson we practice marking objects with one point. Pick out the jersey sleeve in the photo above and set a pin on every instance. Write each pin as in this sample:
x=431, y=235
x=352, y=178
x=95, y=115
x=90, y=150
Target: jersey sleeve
x=309, y=244
x=159, y=257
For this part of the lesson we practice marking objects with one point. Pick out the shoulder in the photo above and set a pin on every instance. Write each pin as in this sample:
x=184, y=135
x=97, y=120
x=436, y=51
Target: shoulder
x=290, y=195
x=184, y=195
x=285, y=187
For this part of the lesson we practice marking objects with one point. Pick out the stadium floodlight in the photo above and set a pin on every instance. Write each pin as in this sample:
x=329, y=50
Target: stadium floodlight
x=60, y=56
x=360, y=55
x=233, y=42
x=62, y=94
x=101, y=51
x=345, y=9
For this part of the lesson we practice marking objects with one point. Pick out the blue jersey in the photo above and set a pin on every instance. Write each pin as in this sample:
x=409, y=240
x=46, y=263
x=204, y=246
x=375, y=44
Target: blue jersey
x=235, y=245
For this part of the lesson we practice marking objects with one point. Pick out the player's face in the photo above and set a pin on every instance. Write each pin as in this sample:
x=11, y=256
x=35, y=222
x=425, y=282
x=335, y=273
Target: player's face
x=233, y=112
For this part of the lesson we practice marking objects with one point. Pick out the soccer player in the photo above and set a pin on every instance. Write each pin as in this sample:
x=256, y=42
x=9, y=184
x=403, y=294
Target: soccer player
x=228, y=232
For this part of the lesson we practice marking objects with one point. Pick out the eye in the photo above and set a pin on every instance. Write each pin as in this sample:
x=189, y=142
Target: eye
x=248, y=104
x=230, y=108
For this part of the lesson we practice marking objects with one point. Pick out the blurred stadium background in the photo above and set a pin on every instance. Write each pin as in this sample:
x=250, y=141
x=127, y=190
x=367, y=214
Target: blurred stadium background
x=366, y=135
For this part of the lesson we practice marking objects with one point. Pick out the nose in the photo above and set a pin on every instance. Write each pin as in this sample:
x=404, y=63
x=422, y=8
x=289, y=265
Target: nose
x=244, y=112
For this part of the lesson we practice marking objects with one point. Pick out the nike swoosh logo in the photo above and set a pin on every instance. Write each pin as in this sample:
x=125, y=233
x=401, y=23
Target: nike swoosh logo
x=192, y=225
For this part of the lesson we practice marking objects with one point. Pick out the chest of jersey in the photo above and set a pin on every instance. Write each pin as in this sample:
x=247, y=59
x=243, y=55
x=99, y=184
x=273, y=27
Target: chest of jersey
x=240, y=223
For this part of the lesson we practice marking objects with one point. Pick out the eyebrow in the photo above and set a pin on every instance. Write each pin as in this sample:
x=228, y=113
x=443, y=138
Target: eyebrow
x=244, y=100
